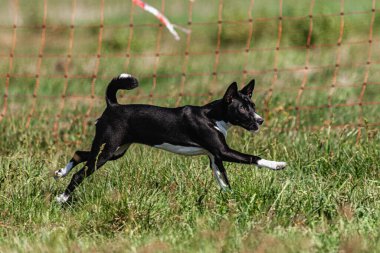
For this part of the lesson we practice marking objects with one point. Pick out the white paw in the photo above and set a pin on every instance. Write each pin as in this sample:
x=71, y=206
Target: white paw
x=62, y=198
x=59, y=173
x=273, y=165
x=280, y=165
x=64, y=171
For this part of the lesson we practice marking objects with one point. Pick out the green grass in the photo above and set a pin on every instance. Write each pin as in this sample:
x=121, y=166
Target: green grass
x=148, y=201
x=326, y=200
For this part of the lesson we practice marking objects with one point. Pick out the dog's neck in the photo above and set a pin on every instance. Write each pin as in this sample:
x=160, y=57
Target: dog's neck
x=216, y=111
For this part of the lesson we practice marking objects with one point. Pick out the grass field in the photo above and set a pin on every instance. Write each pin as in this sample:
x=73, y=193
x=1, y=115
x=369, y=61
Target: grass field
x=327, y=200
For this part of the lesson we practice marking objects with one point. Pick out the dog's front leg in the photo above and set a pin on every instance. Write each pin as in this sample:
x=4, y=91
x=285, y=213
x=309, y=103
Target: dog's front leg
x=216, y=144
x=219, y=172
x=230, y=155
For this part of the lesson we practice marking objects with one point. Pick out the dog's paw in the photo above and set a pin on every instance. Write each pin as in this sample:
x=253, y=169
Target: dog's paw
x=59, y=173
x=273, y=165
x=62, y=198
x=280, y=165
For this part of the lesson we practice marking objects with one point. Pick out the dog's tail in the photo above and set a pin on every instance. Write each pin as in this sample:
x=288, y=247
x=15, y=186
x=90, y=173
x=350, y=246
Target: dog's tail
x=124, y=82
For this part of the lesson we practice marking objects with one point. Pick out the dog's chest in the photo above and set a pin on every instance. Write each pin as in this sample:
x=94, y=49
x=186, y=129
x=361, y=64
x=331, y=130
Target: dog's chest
x=222, y=127
x=182, y=150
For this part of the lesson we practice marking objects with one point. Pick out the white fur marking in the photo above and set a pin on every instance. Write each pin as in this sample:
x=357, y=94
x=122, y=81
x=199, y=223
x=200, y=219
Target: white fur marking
x=257, y=116
x=62, y=198
x=182, y=150
x=271, y=164
x=222, y=127
x=220, y=180
x=217, y=174
x=64, y=171
x=124, y=75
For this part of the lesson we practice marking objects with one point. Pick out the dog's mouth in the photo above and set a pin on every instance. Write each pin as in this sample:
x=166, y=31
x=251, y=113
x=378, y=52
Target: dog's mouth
x=253, y=128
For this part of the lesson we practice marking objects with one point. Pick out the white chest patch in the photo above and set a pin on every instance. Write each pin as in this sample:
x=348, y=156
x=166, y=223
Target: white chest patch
x=182, y=150
x=222, y=127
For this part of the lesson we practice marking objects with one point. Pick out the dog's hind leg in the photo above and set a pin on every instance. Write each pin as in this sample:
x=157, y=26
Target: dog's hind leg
x=219, y=172
x=83, y=156
x=97, y=159
x=79, y=157
x=120, y=151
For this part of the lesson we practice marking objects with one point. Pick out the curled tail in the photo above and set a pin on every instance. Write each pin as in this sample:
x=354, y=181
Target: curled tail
x=123, y=82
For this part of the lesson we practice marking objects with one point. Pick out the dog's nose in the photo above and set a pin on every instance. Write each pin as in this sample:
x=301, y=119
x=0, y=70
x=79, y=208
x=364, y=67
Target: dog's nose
x=259, y=121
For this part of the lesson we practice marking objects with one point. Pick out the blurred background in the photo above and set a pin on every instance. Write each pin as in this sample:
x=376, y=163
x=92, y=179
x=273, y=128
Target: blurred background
x=316, y=63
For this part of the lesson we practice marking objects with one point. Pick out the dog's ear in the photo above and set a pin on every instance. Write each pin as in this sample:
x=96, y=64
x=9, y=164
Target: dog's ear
x=248, y=89
x=230, y=93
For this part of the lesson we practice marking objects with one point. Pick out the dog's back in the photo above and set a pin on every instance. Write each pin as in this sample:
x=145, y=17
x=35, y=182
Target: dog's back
x=148, y=124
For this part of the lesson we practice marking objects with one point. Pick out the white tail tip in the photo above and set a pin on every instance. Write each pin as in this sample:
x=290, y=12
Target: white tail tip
x=124, y=75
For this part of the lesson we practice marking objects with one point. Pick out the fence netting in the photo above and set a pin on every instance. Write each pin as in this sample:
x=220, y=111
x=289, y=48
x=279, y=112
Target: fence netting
x=316, y=63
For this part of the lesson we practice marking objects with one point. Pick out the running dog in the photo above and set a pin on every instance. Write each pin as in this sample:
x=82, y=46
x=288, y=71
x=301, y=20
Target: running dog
x=187, y=130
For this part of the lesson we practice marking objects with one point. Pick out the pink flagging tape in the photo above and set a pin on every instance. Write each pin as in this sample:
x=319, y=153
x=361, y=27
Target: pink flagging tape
x=171, y=27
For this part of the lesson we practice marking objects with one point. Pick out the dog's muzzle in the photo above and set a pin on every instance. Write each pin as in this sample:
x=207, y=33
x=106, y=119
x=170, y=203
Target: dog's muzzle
x=253, y=127
x=260, y=121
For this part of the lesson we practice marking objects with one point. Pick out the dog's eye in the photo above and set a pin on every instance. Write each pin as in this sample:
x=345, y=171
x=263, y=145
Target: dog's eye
x=241, y=108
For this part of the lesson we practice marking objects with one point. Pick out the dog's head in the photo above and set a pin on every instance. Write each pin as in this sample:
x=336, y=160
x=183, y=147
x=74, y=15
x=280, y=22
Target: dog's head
x=240, y=110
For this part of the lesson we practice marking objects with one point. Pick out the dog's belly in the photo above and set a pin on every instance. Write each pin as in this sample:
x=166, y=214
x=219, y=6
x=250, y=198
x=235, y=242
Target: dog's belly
x=182, y=150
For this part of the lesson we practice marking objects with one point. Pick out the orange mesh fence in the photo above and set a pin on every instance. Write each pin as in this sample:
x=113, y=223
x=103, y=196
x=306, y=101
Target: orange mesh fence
x=316, y=63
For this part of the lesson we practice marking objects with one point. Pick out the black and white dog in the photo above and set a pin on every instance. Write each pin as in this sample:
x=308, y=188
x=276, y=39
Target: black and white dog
x=187, y=130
